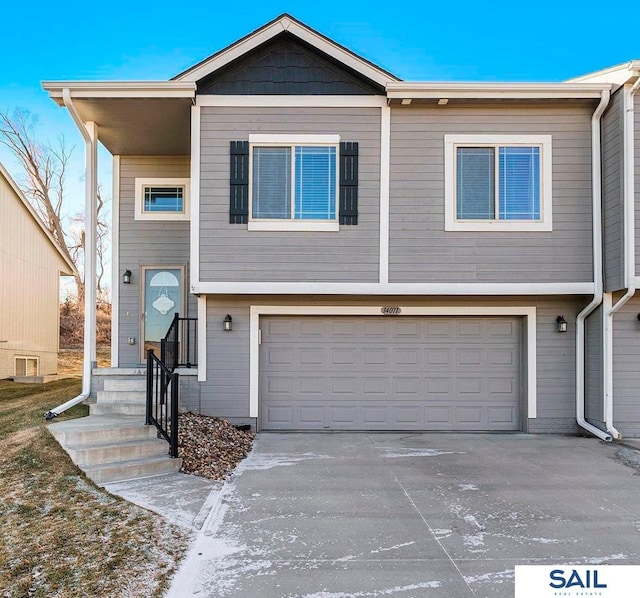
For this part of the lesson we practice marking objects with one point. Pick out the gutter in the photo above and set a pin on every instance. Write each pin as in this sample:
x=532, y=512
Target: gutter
x=88, y=131
x=629, y=257
x=596, y=175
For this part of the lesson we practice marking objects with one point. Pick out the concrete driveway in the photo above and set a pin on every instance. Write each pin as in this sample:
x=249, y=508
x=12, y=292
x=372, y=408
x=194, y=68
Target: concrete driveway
x=411, y=515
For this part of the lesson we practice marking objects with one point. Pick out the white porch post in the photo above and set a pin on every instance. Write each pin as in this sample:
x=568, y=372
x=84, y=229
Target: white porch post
x=91, y=206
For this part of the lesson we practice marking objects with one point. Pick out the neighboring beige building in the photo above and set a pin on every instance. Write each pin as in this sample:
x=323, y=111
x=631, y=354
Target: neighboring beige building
x=31, y=264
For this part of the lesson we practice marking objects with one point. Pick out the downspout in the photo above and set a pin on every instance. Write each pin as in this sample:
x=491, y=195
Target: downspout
x=596, y=181
x=88, y=131
x=629, y=254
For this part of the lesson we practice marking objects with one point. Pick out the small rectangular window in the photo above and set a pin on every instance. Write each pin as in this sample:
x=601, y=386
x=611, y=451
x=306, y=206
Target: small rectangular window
x=498, y=182
x=26, y=366
x=162, y=199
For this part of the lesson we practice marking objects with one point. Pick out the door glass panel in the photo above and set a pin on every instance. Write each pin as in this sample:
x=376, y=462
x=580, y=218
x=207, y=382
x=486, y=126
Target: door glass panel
x=162, y=299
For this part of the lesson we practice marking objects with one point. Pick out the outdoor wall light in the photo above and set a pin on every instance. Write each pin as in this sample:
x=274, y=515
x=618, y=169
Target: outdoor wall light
x=638, y=320
x=126, y=277
x=562, y=324
x=227, y=323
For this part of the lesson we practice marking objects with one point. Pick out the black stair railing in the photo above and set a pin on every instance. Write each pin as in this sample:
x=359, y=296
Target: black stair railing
x=177, y=349
x=162, y=400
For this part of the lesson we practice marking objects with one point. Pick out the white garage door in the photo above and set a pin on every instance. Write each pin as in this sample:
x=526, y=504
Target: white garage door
x=390, y=373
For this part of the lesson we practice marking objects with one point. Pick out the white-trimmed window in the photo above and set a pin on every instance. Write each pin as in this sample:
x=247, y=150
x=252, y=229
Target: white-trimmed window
x=293, y=182
x=25, y=365
x=162, y=199
x=498, y=182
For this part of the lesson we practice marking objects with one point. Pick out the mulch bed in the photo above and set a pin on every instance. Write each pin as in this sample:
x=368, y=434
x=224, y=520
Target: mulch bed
x=211, y=447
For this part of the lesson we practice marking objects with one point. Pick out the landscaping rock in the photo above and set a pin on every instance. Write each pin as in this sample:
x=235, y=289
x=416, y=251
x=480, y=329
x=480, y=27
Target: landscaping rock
x=211, y=447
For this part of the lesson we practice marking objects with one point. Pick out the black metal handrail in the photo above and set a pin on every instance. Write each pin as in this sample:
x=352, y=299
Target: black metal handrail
x=162, y=400
x=179, y=347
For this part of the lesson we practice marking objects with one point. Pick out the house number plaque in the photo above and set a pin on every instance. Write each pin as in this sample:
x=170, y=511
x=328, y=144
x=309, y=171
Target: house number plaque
x=390, y=311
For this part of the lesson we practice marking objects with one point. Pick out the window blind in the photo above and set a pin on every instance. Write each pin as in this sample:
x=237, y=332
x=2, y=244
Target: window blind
x=315, y=183
x=475, y=186
x=519, y=187
x=271, y=182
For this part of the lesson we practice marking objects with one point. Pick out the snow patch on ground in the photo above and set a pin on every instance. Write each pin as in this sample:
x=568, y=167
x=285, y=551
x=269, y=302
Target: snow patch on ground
x=377, y=550
x=367, y=594
x=497, y=577
x=257, y=462
x=411, y=452
x=605, y=559
x=466, y=487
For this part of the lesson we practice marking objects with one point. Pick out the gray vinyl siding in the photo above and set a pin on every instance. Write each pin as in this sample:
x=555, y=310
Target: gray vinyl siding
x=612, y=193
x=626, y=373
x=593, y=382
x=420, y=249
x=226, y=391
x=231, y=253
x=146, y=243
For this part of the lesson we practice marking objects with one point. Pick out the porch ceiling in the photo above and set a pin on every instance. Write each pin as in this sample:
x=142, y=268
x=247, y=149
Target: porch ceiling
x=140, y=126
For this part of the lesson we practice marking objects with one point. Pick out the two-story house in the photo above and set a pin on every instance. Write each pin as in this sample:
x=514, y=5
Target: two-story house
x=365, y=253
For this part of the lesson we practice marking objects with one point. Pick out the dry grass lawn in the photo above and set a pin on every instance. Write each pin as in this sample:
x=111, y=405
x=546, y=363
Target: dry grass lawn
x=61, y=535
x=70, y=360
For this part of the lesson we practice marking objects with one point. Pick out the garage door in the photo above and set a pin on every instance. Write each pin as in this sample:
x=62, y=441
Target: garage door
x=390, y=373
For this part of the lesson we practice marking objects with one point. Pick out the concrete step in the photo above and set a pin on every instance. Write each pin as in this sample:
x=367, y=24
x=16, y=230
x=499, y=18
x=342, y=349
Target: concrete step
x=87, y=455
x=130, y=383
x=132, y=469
x=121, y=396
x=100, y=429
x=119, y=408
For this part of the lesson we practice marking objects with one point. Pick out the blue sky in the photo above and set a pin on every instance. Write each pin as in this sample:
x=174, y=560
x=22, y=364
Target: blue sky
x=416, y=40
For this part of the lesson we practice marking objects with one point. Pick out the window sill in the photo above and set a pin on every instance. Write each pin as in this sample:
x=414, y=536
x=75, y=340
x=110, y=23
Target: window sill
x=163, y=216
x=293, y=226
x=499, y=226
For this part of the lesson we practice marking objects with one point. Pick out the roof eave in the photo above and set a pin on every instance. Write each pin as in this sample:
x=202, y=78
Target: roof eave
x=615, y=75
x=495, y=90
x=120, y=89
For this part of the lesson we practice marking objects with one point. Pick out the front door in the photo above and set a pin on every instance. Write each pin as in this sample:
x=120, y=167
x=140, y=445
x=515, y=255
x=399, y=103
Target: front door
x=163, y=297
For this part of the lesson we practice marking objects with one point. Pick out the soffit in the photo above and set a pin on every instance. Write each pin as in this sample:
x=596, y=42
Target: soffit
x=139, y=125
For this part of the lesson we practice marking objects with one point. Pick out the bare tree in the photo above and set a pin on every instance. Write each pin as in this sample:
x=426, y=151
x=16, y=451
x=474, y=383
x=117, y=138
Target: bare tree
x=76, y=240
x=45, y=186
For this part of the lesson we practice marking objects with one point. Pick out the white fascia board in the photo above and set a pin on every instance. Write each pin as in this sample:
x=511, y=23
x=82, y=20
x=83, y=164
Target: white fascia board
x=275, y=101
x=617, y=75
x=120, y=89
x=256, y=311
x=267, y=33
x=495, y=90
x=375, y=288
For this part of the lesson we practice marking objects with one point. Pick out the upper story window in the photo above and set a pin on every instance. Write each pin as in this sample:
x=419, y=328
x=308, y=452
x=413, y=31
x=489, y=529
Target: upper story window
x=498, y=182
x=162, y=199
x=293, y=182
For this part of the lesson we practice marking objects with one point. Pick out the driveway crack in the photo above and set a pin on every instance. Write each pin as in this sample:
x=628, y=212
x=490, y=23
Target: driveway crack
x=432, y=532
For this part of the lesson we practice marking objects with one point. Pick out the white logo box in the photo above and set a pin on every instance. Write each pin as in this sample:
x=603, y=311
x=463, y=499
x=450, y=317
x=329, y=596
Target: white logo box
x=598, y=581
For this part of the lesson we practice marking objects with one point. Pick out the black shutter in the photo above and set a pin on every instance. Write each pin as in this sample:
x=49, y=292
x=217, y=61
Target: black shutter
x=348, y=182
x=239, y=180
